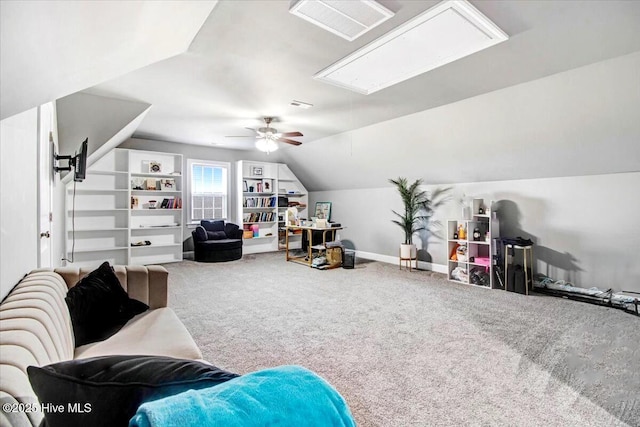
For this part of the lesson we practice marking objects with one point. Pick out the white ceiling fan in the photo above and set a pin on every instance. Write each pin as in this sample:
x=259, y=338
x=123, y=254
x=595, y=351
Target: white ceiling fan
x=267, y=137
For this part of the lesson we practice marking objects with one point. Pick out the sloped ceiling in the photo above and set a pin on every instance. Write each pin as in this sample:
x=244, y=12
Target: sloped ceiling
x=97, y=118
x=252, y=58
x=580, y=122
x=50, y=49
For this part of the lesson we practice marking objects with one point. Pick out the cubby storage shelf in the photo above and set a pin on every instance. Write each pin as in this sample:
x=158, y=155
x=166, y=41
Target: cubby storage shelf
x=489, y=228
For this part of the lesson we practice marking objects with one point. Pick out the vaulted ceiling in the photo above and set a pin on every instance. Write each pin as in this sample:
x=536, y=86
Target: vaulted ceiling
x=209, y=69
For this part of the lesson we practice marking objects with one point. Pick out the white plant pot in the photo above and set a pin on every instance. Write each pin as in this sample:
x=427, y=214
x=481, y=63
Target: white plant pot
x=407, y=251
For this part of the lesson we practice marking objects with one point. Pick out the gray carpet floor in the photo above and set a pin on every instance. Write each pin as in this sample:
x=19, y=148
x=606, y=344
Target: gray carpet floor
x=412, y=349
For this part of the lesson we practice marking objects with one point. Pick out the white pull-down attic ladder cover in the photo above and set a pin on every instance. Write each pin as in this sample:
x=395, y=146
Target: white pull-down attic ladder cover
x=448, y=31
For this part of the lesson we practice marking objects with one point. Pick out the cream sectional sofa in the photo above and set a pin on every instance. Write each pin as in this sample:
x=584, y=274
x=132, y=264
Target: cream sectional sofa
x=35, y=329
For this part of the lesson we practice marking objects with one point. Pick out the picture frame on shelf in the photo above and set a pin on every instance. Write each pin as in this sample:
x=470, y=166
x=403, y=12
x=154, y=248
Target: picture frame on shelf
x=168, y=184
x=267, y=185
x=323, y=210
x=155, y=167
x=245, y=186
x=256, y=170
x=151, y=184
x=151, y=166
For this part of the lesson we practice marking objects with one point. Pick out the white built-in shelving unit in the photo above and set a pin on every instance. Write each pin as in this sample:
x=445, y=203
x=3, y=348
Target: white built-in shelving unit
x=261, y=186
x=113, y=209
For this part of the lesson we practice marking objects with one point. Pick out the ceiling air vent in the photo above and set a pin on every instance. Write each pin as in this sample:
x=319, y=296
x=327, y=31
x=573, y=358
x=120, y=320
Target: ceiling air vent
x=348, y=19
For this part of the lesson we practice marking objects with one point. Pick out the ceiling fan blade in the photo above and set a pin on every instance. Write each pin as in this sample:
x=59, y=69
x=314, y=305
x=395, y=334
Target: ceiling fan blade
x=289, y=141
x=290, y=134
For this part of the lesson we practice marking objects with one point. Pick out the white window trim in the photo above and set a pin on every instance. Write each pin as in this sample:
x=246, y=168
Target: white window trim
x=190, y=162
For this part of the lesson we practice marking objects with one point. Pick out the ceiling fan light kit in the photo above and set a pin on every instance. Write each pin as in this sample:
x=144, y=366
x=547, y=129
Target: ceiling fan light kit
x=266, y=145
x=267, y=138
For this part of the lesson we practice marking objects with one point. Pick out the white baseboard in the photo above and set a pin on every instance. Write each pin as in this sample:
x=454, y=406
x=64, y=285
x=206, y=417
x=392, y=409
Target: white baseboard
x=423, y=265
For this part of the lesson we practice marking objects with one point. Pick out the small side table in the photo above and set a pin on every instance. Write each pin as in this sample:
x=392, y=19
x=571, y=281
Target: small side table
x=526, y=250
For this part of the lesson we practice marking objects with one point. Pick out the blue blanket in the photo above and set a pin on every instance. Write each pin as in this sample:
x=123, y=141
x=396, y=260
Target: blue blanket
x=281, y=396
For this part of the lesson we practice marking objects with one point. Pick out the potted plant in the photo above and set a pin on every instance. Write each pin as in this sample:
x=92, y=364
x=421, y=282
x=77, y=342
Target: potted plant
x=416, y=211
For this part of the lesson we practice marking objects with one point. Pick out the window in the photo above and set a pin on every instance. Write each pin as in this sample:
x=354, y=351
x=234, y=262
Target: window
x=208, y=190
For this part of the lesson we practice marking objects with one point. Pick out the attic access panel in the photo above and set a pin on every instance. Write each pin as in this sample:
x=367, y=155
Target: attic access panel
x=347, y=19
x=448, y=31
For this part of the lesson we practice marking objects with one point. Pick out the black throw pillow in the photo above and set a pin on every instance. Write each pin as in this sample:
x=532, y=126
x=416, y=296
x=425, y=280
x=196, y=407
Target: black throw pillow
x=231, y=229
x=212, y=225
x=107, y=390
x=200, y=234
x=216, y=235
x=99, y=306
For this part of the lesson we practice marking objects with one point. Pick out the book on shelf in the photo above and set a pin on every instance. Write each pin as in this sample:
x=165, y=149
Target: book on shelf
x=259, y=202
x=171, y=203
x=258, y=217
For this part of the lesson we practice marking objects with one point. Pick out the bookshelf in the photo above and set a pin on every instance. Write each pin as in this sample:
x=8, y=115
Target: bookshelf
x=261, y=186
x=122, y=202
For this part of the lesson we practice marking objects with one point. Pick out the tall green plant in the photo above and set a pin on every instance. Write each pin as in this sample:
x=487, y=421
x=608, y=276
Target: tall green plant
x=415, y=207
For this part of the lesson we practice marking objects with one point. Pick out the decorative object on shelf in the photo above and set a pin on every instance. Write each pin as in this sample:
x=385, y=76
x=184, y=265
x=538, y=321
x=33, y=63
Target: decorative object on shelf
x=481, y=211
x=292, y=216
x=137, y=183
x=267, y=185
x=168, y=184
x=152, y=204
x=255, y=229
x=323, y=210
x=151, y=166
x=461, y=253
x=455, y=236
x=476, y=233
x=151, y=184
x=462, y=232
x=256, y=170
x=245, y=186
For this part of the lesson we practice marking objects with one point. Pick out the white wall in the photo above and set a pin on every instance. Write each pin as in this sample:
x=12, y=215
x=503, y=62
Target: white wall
x=19, y=200
x=584, y=228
